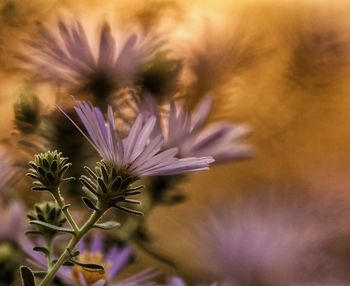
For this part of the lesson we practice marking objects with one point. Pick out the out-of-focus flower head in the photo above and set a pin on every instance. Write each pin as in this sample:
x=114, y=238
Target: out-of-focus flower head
x=138, y=154
x=69, y=58
x=220, y=54
x=162, y=77
x=320, y=51
x=8, y=171
x=114, y=260
x=187, y=131
x=11, y=230
x=262, y=242
x=27, y=113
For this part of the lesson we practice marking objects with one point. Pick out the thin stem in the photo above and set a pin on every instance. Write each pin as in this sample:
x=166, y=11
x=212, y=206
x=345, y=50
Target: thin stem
x=48, y=241
x=96, y=215
x=60, y=201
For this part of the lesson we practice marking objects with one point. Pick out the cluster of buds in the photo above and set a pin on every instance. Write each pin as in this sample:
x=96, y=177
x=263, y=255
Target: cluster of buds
x=48, y=170
x=107, y=188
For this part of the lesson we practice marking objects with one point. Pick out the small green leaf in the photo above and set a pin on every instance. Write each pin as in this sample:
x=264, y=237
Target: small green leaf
x=40, y=274
x=65, y=207
x=27, y=276
x=52, y=227
x=41, y=189
x=50, y=177
x=107, y=225
x=68, y=263
x=43, y=250
x=90, y=172
x=102, y=185
x=53, y=166
x=89, y=266
x=134, y=212
x=89, y=203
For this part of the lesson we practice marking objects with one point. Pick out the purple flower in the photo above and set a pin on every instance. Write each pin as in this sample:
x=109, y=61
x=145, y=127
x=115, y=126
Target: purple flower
x=262, y=242
x=186, y=131
x=138, y=154
x=8, y=173
x=12, y=221
x=114, y=260
x=70, y=58
x=177, y=281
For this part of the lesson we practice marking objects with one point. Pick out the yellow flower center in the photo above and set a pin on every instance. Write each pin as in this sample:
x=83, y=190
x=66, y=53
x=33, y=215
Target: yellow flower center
x=90, y=276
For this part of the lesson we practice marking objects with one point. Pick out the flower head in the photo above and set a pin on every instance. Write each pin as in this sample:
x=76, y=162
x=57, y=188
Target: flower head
x=138, y=154
x=114, y=260
x=186, y=131
x=69, y=58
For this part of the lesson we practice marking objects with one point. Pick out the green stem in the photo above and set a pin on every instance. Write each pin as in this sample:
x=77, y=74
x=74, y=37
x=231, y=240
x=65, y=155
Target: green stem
x=60, y=201
x=96, y=215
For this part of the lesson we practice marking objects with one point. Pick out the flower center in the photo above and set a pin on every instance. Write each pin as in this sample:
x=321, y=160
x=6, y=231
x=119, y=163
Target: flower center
x=90, y=277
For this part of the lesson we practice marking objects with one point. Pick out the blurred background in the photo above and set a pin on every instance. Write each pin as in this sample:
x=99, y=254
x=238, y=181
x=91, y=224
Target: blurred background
x=280, y=67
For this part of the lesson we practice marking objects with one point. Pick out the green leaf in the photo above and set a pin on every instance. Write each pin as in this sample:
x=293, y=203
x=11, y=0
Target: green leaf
x=131, y=211
x=130, y=201
x=52, y=227
x=89, y=203
x=40, y=274
x=27, y=276
x=65, y=207
x=102, y=185
x=43, y=250
x=68, y=263
x=53, y=166
x=107, y=225
x=89, y=266
x=90, y=172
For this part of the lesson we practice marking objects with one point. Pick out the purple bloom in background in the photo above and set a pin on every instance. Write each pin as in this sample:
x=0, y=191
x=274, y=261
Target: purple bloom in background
x=114, y=260
x=8, y=173
x=177, y=281
x=269, y=242
x=12, y=221
x=186, y=131
x=69, y=57
x=138, y=154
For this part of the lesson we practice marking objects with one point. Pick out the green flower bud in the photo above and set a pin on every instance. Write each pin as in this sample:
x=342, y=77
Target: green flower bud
x=47, y=212
x=48, y=170
x=106, y=187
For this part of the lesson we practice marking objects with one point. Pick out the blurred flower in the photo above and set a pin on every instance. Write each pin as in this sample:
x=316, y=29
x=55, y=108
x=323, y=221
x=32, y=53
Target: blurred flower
x=177, y=281
x=27, y=113
x=186, y=131
x=136, y=154
x=320, y=52
x=221, y=54
x=69, y=58
x=161, y=78
x=11, y=230
x=8, y=172
x=113, y=261
x=256, y=242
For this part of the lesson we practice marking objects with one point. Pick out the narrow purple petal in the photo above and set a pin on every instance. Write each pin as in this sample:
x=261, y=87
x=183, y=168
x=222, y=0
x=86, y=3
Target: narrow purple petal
x=119, y=261
x=96, y=245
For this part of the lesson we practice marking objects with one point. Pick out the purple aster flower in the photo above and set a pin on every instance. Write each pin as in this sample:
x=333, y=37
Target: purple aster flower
x=186, y=131
x=69, y=57
x=138, y=154
x=114, y=260
x=269, y=242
